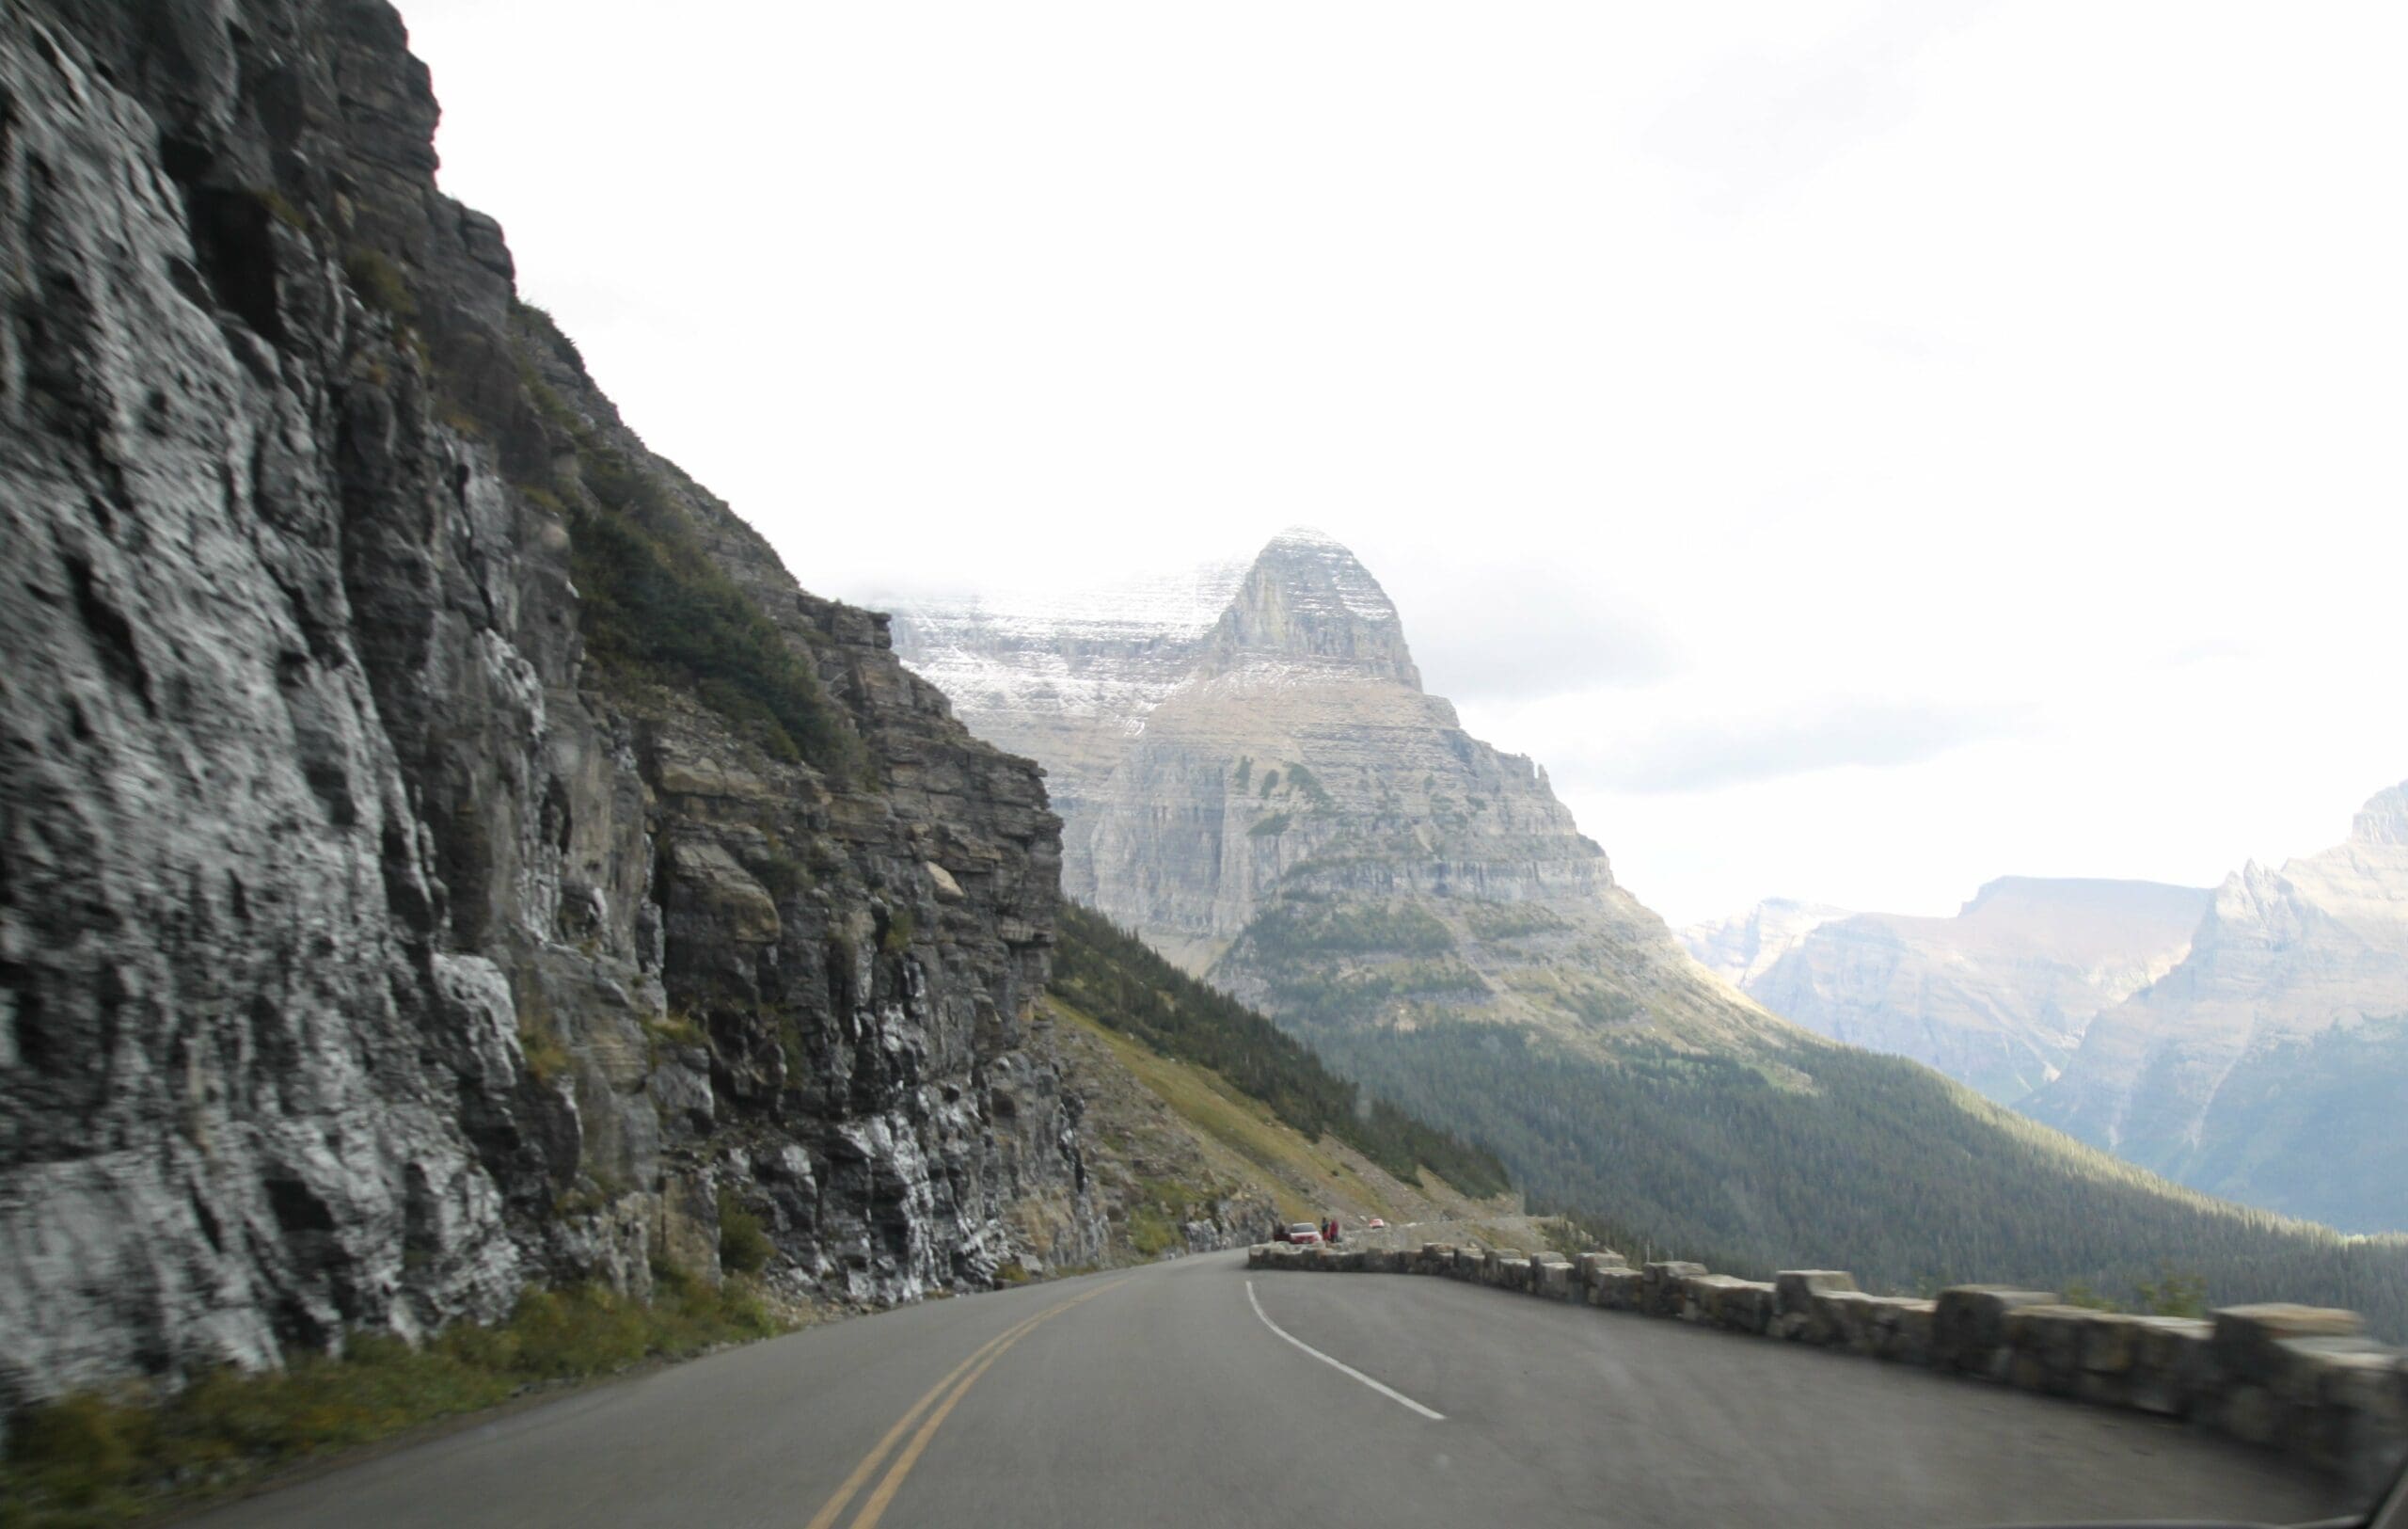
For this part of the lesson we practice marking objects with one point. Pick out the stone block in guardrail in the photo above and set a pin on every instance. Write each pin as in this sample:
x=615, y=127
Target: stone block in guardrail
x=1591, y=1262
x=2303, y=1380
x=1724, y=1300
x=1898, y=1328
x=2043, y=1345
x=1863, y=1323
x=2250, y=1341
x=1659, y=1290
x=1796, y=1317
x=2156, y=1363
x=1969, y=1328
x=1551, y=1276
x=2349, y=1413
x=1500, y=1267
x=2287, y=1372
x=1617, y=1289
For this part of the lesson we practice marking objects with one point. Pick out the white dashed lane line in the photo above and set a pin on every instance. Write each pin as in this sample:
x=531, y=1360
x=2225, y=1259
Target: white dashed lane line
x=1397, y=1396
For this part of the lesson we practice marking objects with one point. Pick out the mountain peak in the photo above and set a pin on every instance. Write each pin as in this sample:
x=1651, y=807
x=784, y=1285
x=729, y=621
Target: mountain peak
x=1309, y=597
x=1307, y=536
x=2384, y=819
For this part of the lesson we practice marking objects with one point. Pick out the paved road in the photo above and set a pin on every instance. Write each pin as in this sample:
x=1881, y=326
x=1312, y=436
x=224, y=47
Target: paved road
x=1168, y=1397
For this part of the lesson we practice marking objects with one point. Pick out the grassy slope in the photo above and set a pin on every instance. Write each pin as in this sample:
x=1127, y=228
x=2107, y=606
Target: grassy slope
x=1116, y=978
x=1241, y=1146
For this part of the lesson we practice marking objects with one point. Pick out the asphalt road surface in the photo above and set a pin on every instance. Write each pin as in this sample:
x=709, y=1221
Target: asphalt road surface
x=1197, y=1392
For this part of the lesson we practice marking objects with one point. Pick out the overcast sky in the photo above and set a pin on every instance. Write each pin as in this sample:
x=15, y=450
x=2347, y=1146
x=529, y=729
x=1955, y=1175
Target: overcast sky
x=1859, y=451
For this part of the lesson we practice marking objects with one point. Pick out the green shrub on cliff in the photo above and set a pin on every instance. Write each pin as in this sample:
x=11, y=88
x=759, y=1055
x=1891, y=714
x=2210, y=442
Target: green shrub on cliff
x=657, y=605
x=743, y=1247
x=380, y=283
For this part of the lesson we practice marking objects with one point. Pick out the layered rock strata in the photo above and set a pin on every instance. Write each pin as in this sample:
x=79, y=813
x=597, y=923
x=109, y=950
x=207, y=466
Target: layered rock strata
x=370, y=945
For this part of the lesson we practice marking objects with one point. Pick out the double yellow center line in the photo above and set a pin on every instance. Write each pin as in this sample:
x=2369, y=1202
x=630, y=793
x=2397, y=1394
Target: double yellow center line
x=960, y=1379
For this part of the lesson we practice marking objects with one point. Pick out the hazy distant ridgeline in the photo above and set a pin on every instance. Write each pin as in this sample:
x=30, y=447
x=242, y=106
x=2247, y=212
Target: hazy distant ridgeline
x=1997, y=997
x=2240, y=1040
x=2269, y=1064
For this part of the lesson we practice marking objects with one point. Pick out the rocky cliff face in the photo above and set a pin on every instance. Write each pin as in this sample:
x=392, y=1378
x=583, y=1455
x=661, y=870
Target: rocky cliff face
x=1294, y=817
x=2291, y=970
x=1997, y=997
x=395, y=909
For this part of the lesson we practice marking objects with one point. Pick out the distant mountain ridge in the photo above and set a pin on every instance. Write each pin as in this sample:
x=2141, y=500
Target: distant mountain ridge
x=2249, y=1041
x=1997, y=997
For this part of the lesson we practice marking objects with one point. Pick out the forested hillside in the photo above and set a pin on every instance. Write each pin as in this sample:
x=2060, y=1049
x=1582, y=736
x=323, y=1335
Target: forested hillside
x=1845, y=1159
x=1111, y=974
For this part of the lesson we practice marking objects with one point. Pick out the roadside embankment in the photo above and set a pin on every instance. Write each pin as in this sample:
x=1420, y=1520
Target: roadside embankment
x=2300, y=1379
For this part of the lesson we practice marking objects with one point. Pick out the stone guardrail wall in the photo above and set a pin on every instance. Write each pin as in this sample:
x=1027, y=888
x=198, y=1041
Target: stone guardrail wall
x=2303, y=1380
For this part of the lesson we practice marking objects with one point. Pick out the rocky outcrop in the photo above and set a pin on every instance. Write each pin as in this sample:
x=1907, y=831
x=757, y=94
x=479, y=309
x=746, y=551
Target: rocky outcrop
x=1997, y=997
x=2281, y=1015
x=390, y=916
